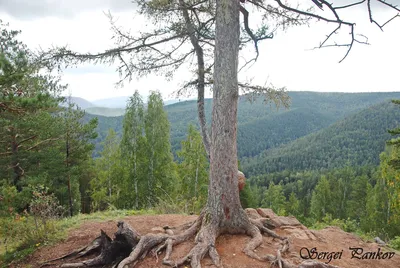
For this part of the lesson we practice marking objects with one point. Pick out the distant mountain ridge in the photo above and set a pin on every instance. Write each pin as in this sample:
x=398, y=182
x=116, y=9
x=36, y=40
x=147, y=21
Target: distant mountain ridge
x=104, y=111
x=82, y=103
x=267, y=135
x=108, y=107
x=120, y=102
x=115, y=102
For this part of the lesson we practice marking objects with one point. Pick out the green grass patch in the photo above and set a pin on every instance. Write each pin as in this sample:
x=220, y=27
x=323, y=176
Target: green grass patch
x=15, y=255
x=395, y=243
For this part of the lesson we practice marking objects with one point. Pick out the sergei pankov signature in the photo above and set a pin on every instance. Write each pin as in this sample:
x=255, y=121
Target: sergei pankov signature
x=356, y=253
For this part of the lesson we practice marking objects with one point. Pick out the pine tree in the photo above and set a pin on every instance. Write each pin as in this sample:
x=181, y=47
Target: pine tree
x=321, y=199
x=358, y=198
x=293, y=205
x=275, y=199
x=27, y=95
x=77, y=149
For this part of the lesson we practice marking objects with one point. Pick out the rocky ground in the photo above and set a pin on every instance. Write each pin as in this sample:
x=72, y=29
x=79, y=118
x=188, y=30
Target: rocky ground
x=330, y=244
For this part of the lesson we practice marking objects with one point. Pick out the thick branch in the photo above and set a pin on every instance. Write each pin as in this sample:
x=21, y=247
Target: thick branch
x=115, y=51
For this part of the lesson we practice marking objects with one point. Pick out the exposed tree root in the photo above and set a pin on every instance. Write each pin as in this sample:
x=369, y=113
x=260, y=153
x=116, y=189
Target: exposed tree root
x=255, y=229
x=94, y=246
x=205, y=244
x=177, y=239
x=128, y=247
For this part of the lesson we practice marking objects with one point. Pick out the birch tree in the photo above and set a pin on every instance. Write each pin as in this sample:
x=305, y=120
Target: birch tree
x=105, y=187
x=157, y=130
x=133, y=152
x=193, y=170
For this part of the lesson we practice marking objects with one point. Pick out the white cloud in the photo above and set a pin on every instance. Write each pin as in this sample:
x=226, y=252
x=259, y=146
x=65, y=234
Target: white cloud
x=30, y=10
x=288, y=61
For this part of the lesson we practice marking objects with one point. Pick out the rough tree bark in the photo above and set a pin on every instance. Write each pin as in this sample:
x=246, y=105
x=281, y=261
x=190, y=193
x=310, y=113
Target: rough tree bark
x=223, y=206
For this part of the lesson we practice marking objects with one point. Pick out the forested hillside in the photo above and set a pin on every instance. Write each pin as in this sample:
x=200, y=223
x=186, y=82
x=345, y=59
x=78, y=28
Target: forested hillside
x=262, y=127
x=356, y=140
x=105, y=123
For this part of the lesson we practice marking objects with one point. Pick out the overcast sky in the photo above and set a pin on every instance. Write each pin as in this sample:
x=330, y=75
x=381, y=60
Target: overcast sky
x=287, y=60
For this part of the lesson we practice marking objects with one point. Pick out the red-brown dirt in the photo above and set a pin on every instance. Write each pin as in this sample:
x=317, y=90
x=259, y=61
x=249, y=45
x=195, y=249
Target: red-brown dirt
x=229, y=246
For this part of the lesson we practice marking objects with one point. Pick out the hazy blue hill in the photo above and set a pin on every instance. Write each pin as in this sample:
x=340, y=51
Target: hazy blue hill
x=113, y=106
x=82, y=103
x=116, y=102
x=356, y=140
x=120, y=102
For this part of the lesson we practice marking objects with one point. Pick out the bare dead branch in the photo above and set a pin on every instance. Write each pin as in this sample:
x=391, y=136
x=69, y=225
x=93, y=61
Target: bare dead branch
x=41, y=142
x=350, y=5
x=6, y=153
x=27, y=139
x=395, y=7
x=250, y=33
x=340, y=22
x=329, y=36
x=317, y=3
x=370, y=15
x=395, y=16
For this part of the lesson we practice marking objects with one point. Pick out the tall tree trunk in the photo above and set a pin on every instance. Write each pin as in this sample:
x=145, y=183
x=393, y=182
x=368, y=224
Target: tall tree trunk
x=135, y=178
x=70, y=195
x=223, y=197
x=109, y=188
x=17, y=174
x=196, y=181
x=69, y=175
x=151, y=177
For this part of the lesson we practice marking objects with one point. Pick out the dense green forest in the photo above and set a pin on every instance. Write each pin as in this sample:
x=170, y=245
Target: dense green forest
x=356, y=140
x=324, y=160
